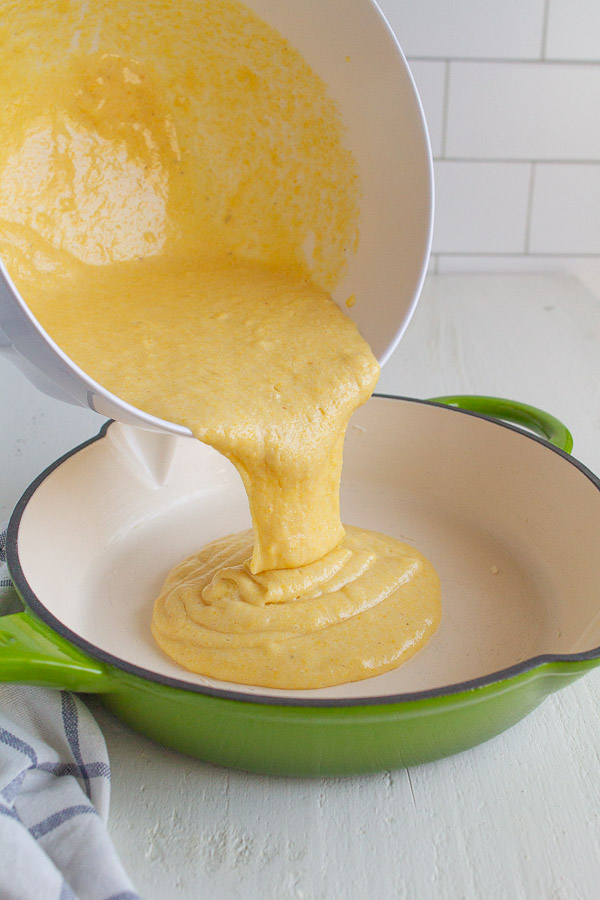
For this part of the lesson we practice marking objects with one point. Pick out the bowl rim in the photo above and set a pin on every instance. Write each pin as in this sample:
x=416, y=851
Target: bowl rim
x=46, y=364
x=37, y=607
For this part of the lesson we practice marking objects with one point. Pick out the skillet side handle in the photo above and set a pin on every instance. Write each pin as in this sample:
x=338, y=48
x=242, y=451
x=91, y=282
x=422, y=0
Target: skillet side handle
x=31, y=653
x=536, y=420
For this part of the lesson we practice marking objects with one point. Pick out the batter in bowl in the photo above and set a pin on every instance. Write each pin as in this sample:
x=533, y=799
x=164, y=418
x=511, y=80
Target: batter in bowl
x=177, y=203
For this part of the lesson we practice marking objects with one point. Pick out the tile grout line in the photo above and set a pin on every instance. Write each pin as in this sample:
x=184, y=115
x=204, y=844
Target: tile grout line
x=545, y=19
x=446, y=97
x=529, y=213
x=501, y=254
x=517, y=161
x=508, y=60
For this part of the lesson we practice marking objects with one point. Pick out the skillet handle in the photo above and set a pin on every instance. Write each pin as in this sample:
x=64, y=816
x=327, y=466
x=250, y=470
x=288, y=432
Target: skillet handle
x=31, y=653
x=536, y=420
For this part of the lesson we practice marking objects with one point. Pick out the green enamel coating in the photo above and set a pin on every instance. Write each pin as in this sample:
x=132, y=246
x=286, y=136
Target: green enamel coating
x=32, y=652
x=297, y=740
x=536, y=420
x=343, y=740
x=301, y=739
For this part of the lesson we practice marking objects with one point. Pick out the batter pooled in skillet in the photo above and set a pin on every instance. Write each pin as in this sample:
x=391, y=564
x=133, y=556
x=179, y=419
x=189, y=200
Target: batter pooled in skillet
x=176, y=205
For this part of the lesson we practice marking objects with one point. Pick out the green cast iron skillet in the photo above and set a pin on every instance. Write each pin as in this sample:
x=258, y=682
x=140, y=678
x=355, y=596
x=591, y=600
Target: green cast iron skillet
x=453, y=470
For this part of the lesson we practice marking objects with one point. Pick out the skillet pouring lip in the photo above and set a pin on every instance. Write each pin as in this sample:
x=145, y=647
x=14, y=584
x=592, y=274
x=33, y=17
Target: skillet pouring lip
x=34, y=604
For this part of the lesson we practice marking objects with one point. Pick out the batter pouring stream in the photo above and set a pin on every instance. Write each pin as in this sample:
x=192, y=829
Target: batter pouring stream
x=170, y=223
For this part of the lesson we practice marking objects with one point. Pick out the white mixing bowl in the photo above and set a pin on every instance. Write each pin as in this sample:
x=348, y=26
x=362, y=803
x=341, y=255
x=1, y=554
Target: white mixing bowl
x=349, y=44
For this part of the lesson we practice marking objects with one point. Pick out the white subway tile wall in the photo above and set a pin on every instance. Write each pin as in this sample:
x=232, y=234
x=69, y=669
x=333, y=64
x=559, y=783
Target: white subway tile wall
x=482, y=206
x=511, y=93
x=430, y=77
x=574, y=30
x=565, y=214
x=522, y=110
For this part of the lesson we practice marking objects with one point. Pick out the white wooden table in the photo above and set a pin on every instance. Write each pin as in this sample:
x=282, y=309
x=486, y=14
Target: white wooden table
x=518, y=817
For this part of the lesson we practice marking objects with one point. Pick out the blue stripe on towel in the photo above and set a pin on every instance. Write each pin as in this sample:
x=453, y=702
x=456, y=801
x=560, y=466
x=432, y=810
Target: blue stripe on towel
x=13, y=787
x=11, y=740
x=59, y=818
x=66, y=893
x=9, y=812
x=124, y=895
x=4, y=576
x=59, y=770
x=71, y=726
x=92, y=770
x=74, y=727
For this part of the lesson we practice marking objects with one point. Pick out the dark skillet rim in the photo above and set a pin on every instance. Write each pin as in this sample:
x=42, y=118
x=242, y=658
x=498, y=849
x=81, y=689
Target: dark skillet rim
x=33, y=603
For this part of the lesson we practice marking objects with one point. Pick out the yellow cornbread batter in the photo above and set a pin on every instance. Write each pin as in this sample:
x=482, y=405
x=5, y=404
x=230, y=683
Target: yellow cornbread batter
x=176, y=201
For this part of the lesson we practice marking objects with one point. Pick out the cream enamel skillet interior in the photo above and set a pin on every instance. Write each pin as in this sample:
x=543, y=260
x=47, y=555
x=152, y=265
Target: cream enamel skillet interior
x=510, y=522
x=121, y=511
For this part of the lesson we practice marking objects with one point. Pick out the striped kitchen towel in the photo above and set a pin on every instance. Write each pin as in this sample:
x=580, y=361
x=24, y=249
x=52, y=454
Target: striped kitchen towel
x=54, y=793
